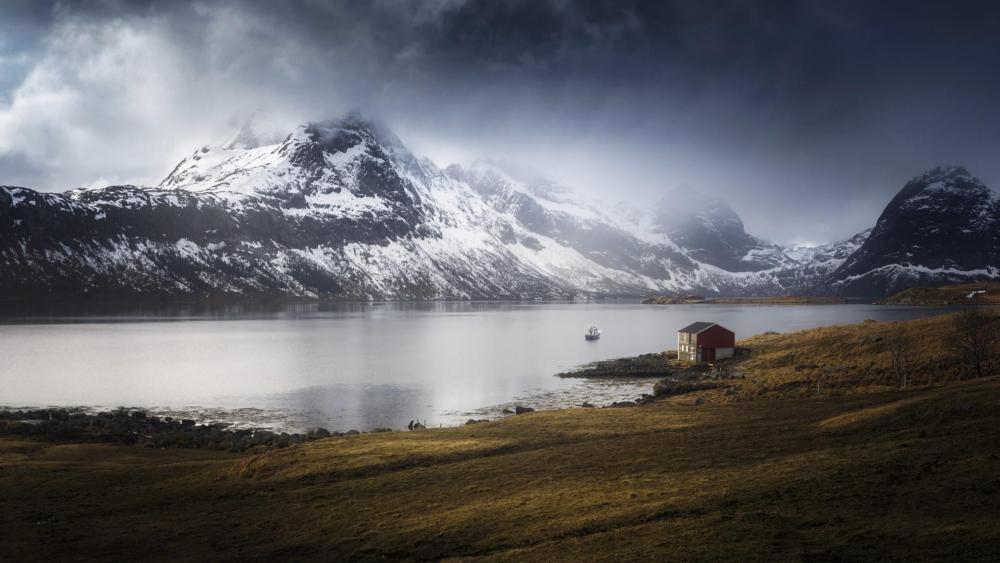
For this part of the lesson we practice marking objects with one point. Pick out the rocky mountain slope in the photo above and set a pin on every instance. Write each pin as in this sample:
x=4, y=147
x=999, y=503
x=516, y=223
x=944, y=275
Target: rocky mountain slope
x=942, y=227
x=343, y=210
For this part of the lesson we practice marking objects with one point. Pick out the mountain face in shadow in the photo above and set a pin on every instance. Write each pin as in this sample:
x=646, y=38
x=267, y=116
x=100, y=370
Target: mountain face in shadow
x=942, y=227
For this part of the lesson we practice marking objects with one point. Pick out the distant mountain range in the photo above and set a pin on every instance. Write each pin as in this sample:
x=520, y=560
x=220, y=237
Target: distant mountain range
x=342, y=209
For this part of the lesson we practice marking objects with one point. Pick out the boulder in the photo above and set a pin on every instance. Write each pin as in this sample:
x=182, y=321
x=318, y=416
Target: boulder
x=318, y=432
x=523, y=410
x=621, y=404
x=263, y=437
x=671, y=387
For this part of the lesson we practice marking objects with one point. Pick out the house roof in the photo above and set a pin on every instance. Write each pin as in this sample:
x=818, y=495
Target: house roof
x=695, y=328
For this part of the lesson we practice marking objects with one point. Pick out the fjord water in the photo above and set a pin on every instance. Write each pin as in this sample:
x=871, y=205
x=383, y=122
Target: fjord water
x=356, y=365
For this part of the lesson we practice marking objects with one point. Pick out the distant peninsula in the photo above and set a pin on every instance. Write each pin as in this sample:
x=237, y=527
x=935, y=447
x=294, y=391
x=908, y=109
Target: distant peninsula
x=984, y=293
x=774, y=300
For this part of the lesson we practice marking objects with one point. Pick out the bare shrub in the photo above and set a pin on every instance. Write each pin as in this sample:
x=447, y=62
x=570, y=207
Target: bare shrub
x=977, y=332
x=899, y=362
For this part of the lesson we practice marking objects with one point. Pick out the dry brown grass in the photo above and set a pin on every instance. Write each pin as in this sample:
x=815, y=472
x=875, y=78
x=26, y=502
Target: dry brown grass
x=897, y=475
x=851, y=359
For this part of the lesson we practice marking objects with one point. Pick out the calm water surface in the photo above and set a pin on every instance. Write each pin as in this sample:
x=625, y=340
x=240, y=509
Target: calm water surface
x=356, y=366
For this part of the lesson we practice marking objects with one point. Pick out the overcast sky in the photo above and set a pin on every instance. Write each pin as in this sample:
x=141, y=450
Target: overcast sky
x=807, y=116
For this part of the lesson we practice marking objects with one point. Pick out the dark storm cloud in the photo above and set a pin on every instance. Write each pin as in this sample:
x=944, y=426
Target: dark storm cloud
x=806, y=115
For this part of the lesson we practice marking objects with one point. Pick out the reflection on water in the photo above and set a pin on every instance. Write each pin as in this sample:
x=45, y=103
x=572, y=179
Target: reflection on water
x=353, y=365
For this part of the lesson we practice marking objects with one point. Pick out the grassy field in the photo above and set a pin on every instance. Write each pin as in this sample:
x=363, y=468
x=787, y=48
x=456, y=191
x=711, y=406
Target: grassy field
x=786, y=473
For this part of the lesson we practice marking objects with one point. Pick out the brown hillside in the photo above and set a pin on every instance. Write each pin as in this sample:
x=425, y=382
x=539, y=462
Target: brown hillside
x=855, y=358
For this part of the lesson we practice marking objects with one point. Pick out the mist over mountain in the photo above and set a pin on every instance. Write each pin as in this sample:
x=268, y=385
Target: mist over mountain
x=786, y=109
x=342, y=209
x=713, y=233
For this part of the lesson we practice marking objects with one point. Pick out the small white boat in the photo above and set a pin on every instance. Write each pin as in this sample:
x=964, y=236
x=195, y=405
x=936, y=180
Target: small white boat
x=593, y=333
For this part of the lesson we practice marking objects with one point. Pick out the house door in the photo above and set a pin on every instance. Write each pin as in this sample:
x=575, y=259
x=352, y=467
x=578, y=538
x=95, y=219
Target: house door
x=708, y=354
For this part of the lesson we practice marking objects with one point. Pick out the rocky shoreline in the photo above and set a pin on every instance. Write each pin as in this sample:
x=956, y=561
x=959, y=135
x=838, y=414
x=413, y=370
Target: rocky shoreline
x=656, y=364
x=133, y=426
x=137, y=427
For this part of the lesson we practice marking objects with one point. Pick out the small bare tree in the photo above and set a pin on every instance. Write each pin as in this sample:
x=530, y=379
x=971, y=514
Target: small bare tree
x=976, y=336
x=900, y=369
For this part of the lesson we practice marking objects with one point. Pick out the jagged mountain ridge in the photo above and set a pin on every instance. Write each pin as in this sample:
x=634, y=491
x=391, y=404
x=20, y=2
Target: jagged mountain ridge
x=341, y=209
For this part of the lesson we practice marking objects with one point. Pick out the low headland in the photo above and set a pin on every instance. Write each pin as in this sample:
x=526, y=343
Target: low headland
x=981, y=293
x=879, y=440
x=775, y=300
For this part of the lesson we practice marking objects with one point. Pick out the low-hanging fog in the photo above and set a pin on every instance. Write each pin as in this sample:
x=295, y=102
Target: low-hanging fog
x=807, y=116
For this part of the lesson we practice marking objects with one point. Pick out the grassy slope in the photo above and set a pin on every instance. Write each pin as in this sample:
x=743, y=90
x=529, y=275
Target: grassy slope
x=885, y=475
x=947, y=295
x=857, y=358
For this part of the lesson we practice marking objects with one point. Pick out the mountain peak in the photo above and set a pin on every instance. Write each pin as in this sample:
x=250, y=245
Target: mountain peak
x=942, y=189
x=685, y=203
x=942, y=224
x=940, y=173
x=713, y=232
x=352, y=128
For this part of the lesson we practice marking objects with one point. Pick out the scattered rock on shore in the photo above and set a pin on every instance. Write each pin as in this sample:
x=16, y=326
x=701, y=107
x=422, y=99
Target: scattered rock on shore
x=126, y=426
x=670, y=387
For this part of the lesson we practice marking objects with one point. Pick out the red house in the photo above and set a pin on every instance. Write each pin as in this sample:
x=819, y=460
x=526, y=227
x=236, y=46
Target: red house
x=705, y=342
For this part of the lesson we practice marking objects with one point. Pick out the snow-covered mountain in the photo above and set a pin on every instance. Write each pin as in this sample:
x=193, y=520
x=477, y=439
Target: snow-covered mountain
x=343, y=210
